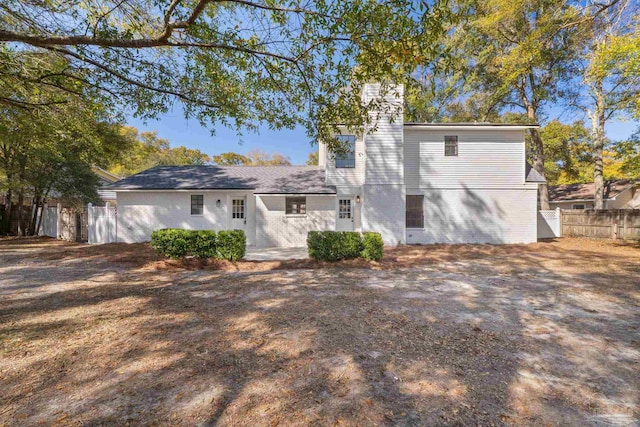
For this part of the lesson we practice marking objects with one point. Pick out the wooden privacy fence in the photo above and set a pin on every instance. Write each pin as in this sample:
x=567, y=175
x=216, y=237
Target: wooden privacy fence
x=603, y=224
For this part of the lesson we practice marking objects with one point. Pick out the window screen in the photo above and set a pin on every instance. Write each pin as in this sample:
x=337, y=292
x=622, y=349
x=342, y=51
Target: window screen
x=415, y=213
x=197, y=204
x=347, y=159
x=296, y=205
x=450, y=145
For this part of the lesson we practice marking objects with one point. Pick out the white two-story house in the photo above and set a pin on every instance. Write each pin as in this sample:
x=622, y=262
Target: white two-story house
x=412, y=182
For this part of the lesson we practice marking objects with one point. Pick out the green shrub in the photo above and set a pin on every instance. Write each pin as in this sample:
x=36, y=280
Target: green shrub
x=171, y=242
x=334, y=245
x=373, y=246
x=178, y=243
x=232, y=245
x=203, y=244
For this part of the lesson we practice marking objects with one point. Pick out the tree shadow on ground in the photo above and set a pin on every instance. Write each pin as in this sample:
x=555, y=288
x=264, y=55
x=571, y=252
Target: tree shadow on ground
x=470, y=337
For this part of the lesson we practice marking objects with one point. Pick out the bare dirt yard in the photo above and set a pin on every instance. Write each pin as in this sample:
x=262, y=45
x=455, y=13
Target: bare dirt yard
x=541, y=334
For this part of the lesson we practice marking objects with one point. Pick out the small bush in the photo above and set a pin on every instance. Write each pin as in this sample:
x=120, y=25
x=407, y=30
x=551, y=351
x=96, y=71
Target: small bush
x=203, y=244
x=334, y=245
x=178, y=243
x=373, y=246
x=171, y=242
x=232, y=245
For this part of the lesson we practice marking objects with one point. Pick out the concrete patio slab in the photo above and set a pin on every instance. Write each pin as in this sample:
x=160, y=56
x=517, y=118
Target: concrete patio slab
x=275, y=254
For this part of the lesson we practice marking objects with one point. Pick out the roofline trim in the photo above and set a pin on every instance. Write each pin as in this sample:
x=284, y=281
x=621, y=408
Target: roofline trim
x=477, y=126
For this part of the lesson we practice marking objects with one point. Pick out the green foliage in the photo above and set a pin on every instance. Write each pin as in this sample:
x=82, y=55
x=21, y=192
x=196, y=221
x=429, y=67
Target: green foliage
x=203, y=244
x=239, y=64
x=334, y=245
x=146, y=150
x=171, y=242
x=313, y=158
x=230, y=158
x=373, y=246
x=232, y=244
x=178, y=243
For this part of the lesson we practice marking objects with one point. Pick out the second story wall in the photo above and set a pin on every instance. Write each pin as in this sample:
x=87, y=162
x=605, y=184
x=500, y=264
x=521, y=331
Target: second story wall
x=352, y=177
x=493, y=158
x=384, y=154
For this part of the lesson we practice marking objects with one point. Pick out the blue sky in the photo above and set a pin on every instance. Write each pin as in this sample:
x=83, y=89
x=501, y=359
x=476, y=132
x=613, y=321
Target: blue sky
x=292, y=143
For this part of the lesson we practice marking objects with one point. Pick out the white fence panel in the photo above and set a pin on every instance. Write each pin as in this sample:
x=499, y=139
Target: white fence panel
x=549, y=225
x=102, y=224
x=49, y=225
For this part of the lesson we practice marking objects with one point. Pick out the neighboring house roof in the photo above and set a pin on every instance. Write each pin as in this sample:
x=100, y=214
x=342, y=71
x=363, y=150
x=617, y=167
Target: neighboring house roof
x=532, y=175
x=582, y=192
x=261, y=179
x=104, y=175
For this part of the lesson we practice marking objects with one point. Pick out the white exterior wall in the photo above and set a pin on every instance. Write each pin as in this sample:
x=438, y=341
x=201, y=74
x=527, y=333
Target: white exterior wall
x=477, y=216
x=142, y=212
x=486, y=159
x=383, y=210
x=275, y=228
x=569, y=205
x=345, y=176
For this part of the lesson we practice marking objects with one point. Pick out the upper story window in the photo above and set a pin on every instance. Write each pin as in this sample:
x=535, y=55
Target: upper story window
x=197, y=204
x=348, y=158
x=450, y=145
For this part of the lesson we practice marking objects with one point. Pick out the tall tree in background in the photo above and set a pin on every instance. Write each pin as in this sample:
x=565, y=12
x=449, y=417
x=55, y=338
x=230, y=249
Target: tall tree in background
x=518, y=52
x=610, y=72
x=313, y=158
x=49, y=137
x=148, y=150
x=236, y=63
x=231, y=159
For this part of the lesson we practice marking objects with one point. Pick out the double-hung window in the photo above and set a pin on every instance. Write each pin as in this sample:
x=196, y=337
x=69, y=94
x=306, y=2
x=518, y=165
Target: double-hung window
x=346, y=159
x=415, y=212
x=450, y=146
x=197, y=204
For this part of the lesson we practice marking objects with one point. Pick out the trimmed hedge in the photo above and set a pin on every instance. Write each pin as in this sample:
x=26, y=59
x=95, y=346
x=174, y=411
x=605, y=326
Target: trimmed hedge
x=373, y=246
x=232, y=244
x=337, y=245
x=178, y=243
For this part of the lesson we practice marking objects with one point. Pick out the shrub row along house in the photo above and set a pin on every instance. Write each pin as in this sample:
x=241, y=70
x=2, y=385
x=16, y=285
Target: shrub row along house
x=411, y=182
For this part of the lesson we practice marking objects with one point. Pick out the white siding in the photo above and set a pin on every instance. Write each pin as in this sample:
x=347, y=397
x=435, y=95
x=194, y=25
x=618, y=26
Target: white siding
x=383, y=210
x=346, y=176
x=477, y=216
x=384, y=154
x=486, y=159
x=275, y=228
x=142, y=212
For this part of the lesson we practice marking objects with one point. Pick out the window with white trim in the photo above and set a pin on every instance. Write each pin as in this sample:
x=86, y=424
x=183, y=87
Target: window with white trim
x=237, y=208
x=296, y=205
x=347, y=159
x=450, y=146
x=415, y=211
x=197, y=204
x=578, y=206
x=344, y=209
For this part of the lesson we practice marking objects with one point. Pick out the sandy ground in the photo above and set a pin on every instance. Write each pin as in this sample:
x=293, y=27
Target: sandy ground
x=542, y=334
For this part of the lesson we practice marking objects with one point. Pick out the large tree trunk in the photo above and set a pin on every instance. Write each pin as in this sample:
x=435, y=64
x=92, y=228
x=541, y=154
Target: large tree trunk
x=538, y=155
x=34, y=217
x=597, y=133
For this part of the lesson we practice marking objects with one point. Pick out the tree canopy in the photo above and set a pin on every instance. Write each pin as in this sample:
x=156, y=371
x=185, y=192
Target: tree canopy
x=238, y=63
x=147, y=150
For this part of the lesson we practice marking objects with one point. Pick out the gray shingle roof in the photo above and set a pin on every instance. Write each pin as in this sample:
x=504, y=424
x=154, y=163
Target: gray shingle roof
x=532, y=175
x=261, y=179
x=586, y=191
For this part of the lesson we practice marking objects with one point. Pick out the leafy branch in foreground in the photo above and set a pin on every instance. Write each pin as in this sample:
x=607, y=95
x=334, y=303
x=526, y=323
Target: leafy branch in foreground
x=239, y=63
